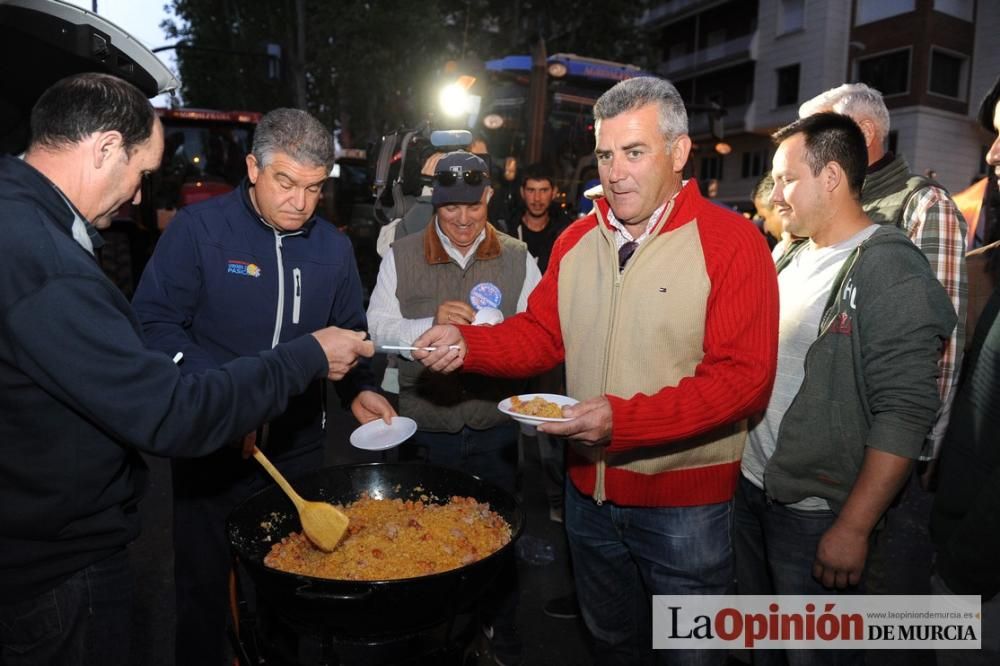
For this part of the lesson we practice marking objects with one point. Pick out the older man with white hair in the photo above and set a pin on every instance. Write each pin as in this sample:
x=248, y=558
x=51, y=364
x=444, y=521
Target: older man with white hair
x=892, y=194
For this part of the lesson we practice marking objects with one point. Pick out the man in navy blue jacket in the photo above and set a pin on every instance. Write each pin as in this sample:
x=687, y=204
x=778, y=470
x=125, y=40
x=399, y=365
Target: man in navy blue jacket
x=81, y=396
x=231, y=276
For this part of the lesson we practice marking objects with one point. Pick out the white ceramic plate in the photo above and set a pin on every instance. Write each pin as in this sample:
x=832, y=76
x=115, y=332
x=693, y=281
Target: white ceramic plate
x=561, y=400
x=377, y=436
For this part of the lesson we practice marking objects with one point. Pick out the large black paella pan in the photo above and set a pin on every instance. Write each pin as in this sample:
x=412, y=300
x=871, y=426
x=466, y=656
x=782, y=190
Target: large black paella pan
x=366, y=607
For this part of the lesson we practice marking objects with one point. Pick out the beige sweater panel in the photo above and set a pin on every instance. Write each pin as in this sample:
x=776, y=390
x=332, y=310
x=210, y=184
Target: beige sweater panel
x=639, y=332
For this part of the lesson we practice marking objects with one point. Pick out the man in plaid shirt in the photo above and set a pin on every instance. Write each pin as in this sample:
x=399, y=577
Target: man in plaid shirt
x=892, y=194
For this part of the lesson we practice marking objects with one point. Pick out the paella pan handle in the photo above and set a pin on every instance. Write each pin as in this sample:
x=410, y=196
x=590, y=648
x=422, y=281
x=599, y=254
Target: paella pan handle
x=309, y=594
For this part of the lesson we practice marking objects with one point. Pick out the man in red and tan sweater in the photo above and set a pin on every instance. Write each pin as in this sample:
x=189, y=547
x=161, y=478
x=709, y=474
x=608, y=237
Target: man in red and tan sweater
x=664, y=308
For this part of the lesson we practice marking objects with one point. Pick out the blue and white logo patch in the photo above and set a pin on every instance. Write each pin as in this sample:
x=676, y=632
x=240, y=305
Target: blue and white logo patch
x=485, y=295
x=243, y=268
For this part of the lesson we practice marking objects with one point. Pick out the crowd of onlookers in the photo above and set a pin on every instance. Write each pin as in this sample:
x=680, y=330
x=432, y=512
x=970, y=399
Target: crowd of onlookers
x=747, y=412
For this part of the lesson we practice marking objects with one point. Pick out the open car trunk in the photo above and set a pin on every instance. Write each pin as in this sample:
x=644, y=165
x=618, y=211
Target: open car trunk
x=42, y=41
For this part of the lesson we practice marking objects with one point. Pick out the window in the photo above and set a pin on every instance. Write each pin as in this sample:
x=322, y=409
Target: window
x=869, y=11
x=711, y=167
x=888, y=73
x=715, y=38
x=788, y=85
x=755, y=163
x=791, y=16
x=947, y=74
x=958, y=8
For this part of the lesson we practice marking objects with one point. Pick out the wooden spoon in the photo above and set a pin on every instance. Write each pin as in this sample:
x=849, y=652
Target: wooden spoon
x=324, y=524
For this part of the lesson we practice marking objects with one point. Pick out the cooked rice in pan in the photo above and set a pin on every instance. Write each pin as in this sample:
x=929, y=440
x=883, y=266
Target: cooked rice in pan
x=391, y=538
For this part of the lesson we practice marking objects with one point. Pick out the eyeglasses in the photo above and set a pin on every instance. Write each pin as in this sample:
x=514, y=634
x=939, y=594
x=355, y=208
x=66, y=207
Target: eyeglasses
x=625, y=253
x=449, y=178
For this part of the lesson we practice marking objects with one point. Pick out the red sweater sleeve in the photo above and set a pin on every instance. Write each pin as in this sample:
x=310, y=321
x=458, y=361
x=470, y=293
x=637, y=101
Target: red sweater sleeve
x=735, y=376
x=531, y=342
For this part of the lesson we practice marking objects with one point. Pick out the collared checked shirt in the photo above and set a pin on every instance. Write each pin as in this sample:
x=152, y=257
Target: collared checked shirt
x=623, y=236
x=933, y=223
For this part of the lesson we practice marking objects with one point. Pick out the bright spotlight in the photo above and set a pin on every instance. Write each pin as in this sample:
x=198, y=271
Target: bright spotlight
x=454, y=100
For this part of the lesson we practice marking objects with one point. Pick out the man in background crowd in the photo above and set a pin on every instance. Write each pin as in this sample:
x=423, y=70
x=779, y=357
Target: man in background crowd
x=541, y=218
x=766, y=217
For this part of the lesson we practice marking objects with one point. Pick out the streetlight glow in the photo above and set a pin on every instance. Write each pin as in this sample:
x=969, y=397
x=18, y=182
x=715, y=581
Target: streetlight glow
x=454, y=100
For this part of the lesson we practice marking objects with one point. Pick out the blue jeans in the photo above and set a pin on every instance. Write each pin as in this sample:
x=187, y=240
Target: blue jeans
x=775, y=550
x=84, y=620
x=490, y=454
x=624, y=555
x=552, y=453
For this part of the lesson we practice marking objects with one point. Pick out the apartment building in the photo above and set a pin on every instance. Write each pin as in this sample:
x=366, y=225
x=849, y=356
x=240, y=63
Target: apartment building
x=760, y=59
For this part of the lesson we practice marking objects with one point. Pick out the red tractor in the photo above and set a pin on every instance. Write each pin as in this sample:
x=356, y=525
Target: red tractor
x=204, y=155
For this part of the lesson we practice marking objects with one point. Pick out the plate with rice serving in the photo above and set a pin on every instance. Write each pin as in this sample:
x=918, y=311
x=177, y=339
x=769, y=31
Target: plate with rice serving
x=536, y=408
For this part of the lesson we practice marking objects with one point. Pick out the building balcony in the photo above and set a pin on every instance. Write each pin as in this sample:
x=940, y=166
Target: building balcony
x=664, y=11
x=734, y=50
x=733, y=122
